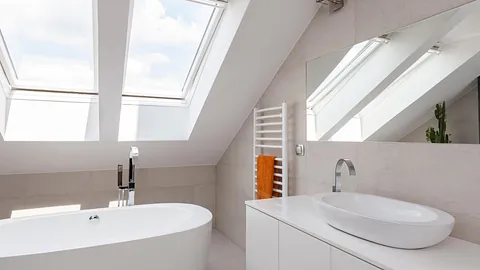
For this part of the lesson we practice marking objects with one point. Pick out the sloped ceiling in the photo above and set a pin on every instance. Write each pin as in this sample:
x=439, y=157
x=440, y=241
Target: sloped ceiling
x=266, y=31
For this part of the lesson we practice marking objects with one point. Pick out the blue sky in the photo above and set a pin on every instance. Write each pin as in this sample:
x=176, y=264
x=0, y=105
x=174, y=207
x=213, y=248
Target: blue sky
x=51, y=42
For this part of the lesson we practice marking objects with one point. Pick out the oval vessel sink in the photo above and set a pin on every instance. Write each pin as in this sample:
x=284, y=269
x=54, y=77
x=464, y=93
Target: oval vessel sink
x=385, y=221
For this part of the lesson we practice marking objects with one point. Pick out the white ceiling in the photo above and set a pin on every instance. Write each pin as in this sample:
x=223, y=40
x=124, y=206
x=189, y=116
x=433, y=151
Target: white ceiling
x=262, y=34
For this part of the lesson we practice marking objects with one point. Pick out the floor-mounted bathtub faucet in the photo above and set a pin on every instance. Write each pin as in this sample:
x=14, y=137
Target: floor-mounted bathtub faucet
x=121, y=187
x=133, y=160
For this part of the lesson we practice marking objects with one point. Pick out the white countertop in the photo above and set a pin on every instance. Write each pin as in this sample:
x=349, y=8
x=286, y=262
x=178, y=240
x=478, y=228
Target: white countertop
x=300, y=212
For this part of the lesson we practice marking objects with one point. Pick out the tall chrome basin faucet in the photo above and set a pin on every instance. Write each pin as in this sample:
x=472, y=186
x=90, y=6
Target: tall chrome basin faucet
x=337, y=185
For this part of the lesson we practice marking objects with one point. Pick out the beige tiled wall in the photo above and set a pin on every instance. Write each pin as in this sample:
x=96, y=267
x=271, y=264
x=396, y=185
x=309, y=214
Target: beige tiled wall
x=438, y=175
x=96, y=189
x=357, y=21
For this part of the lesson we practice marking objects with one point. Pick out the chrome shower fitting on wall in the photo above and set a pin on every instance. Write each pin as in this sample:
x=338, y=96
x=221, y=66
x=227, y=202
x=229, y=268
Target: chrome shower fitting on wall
x=334, y=5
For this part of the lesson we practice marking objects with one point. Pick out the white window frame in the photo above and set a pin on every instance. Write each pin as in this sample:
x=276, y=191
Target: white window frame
x=7, y=66
x=194, y=72
x=6, y=62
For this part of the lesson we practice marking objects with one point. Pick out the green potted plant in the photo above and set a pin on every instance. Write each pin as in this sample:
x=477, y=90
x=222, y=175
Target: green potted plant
x=440, y=135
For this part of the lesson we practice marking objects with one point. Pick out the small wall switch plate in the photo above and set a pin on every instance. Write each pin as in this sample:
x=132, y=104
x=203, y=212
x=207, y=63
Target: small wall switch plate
x=300, y=150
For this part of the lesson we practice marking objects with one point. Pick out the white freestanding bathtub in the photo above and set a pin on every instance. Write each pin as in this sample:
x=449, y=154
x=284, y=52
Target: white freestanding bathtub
x=144, y=237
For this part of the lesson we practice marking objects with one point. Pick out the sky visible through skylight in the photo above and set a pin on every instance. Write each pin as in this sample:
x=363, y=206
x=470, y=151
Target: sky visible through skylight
x=51, y=43
x=164, y=40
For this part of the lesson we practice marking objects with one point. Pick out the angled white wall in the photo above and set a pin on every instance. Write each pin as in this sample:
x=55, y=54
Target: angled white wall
x=267, y=34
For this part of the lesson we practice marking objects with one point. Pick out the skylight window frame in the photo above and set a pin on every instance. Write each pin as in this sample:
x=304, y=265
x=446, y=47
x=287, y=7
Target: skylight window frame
x=182, y=98
x=194, y=72
x=6, y=62
x=10, y=72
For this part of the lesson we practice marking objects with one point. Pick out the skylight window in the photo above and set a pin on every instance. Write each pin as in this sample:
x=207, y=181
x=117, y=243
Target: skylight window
x=48, y=44
x=168, y=41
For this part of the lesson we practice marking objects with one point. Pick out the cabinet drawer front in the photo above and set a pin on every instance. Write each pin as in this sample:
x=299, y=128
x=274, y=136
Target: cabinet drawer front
x=301, y=251
x=344, y=261
x=261, y=241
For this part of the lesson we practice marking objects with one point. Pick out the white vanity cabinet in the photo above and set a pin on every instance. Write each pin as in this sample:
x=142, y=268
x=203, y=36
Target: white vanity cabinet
x=274, y=245
x=289, y=233
x=298, y=250
x=343, y=261
x=261, y=242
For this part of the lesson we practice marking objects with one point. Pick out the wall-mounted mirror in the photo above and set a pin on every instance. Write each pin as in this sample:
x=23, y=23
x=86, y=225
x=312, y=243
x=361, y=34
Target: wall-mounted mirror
x=387, y=88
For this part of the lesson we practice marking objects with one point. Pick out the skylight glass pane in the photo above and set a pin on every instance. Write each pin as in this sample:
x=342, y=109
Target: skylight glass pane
x=50, y=43
x=165, y=38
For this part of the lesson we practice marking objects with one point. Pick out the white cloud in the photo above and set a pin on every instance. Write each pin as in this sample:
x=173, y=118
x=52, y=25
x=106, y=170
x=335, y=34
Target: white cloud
x=140, y=78
x=142, y=64
x=155, y=27
x=50, y=41
x=56, y=72
x=57, y=21
x=151, y=24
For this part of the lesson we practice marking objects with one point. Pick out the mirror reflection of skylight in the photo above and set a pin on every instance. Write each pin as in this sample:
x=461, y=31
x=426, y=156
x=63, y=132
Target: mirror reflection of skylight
x=49, y=43
x=165, y=38
x=355, y=57
x=352, y=130
x=393, y=86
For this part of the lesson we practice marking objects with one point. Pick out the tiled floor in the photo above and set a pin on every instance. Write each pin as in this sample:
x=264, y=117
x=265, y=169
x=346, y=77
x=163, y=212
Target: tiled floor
x=224, y=254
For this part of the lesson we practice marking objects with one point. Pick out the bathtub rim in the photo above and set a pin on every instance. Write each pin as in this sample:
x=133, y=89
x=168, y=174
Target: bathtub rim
x=208, y=220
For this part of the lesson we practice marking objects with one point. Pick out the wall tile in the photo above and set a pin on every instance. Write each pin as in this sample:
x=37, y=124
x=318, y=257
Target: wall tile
x=331, y=32
x=183, y=194
x=440, y=176
x=373, y=17
x=16, y=187
x=204, y=195
x=404, y=171
x=181, y=176
x=96, y=189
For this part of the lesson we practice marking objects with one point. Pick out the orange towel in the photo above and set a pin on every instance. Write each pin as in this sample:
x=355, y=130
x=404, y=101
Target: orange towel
x=265, y=173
